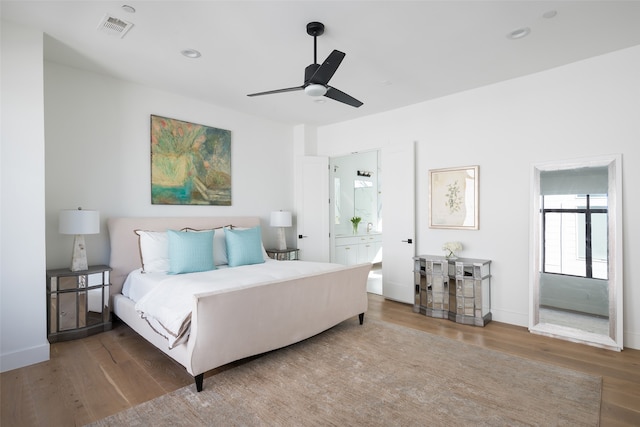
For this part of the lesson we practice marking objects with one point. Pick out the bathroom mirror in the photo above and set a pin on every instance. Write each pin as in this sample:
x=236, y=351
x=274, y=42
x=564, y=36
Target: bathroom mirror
x=365, y=200
x=576, y=265
x=355, y=192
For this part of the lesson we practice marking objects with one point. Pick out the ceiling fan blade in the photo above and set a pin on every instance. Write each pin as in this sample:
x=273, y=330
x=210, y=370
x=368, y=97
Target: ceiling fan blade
x=269, y=92
x=324, y=73
x=340, y=96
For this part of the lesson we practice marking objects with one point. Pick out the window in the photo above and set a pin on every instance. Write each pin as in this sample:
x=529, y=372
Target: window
x=574, y=229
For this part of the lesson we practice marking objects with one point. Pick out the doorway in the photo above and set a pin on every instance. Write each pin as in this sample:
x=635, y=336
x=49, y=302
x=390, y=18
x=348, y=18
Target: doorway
x=367, y=241
x=356, y=213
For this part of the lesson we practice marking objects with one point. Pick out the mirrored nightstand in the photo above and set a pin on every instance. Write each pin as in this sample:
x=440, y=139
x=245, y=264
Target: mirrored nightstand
x=77, y=302
x=283, y=254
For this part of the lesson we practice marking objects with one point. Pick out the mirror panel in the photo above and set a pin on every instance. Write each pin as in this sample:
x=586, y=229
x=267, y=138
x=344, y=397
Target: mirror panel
x=576, y=265
x=365, y=196
x=355, y=192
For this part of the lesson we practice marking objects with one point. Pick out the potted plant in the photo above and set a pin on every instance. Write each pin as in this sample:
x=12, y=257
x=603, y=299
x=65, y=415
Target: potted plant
x=355, y=221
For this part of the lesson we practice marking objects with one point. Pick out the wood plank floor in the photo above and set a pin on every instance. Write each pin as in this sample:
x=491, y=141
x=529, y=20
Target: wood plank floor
x=94, y=377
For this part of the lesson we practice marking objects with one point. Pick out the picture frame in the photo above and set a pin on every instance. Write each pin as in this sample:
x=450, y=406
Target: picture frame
x=190, y=163
x=453, y=198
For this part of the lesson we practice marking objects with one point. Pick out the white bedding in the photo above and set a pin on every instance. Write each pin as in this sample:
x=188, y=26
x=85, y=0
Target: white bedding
x=166, y=301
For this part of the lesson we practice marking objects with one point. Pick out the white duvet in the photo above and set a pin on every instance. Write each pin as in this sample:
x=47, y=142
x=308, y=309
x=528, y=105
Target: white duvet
x=166, y=301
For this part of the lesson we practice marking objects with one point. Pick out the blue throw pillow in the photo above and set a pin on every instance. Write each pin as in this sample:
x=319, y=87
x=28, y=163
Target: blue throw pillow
x=244, y=247
x=190, y=252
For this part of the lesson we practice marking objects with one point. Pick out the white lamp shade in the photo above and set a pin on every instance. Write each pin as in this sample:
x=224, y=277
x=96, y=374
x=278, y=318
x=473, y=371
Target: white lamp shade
x=79, y=221
x=315, y=90
x=281, y=219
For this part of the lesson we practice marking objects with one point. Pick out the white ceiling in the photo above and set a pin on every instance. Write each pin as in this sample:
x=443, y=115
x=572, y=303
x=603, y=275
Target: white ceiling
x=398, y=53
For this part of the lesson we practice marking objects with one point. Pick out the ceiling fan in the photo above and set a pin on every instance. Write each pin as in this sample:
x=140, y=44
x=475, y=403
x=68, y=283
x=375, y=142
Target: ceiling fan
x=316, y=76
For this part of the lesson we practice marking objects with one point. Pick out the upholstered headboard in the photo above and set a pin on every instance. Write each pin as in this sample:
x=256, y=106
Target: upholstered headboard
x=125, y=253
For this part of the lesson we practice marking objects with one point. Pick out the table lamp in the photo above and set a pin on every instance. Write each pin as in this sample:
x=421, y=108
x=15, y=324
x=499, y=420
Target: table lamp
x=281, y=219
x=79, y=222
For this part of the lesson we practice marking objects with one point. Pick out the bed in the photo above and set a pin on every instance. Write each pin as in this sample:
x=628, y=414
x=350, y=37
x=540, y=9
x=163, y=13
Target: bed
x=230, y=324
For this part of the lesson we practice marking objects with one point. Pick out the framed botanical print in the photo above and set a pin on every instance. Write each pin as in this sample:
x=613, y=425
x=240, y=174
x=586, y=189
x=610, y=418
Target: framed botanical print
x=190, y=163
x=453, y=198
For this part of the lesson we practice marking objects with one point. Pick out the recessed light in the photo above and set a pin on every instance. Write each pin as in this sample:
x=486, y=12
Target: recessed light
x=550, y=14
x=319, y=101
x=191, y=53
x=127, y=8
x=519, y=33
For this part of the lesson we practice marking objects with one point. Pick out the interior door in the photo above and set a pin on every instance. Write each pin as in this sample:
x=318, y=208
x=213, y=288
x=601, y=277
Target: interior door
x=398, y=235
x=312, y=206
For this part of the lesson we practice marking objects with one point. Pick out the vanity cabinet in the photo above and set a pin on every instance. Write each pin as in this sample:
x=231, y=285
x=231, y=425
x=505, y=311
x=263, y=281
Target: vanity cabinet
x=458, y=290
x=358, y=249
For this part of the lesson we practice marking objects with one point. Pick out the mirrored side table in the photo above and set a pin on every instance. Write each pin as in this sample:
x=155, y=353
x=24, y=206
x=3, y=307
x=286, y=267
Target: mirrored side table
x=459, y=289
x=283, y=254
x=77, y=302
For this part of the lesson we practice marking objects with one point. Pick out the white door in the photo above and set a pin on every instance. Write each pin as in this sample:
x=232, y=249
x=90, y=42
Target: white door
x=312, y=206
x=398, y=231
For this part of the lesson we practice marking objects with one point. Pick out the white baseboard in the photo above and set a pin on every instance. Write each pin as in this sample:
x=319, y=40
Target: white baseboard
x=25, y=357
x=510, y=317
x=631, y=340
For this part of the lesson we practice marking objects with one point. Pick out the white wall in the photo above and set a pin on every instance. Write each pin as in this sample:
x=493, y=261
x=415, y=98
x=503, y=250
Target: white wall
x=583, y=109
x=98, y=156
x=23, y=339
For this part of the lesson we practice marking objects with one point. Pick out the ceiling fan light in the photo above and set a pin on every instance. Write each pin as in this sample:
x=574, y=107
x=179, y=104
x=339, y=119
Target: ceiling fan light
x=315, y=90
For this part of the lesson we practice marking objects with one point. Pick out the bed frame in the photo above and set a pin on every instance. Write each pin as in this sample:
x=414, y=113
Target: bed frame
x=231, y=325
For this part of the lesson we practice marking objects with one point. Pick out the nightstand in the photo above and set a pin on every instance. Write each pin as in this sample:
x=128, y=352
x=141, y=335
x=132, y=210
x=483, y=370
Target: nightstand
x=283, y=254
x=77, y=302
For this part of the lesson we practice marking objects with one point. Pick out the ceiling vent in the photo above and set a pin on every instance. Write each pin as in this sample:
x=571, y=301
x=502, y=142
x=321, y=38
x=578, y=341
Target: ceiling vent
x=114, y=26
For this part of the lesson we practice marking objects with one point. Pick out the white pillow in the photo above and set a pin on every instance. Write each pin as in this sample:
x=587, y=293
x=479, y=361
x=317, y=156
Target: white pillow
x=154, y=251
x=219, y=247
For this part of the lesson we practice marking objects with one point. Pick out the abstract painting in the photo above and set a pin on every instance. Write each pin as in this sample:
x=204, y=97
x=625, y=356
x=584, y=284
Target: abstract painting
x=453, y=198
x=190, y=163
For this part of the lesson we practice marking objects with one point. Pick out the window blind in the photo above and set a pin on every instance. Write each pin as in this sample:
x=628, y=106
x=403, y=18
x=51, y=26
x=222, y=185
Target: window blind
x=590, y=180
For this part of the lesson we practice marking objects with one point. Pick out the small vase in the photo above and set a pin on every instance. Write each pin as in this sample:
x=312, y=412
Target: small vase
x=355, y=228
x=451, y=256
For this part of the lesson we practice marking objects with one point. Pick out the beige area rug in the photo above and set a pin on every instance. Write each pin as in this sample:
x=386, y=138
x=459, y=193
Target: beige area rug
x=379, y=374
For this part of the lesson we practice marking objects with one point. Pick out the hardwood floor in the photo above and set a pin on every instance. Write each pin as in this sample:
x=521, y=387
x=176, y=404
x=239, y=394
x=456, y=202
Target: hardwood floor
x=94, y=377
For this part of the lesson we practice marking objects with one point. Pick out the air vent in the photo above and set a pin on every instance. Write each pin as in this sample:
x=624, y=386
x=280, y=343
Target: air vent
x=114, y=26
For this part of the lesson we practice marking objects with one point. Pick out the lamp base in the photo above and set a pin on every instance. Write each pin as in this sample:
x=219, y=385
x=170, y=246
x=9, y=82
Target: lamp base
x=79, y=256
x=282, y=241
